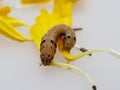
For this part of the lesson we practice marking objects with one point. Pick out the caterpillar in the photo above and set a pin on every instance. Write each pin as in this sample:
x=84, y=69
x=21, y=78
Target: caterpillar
x=49, y=42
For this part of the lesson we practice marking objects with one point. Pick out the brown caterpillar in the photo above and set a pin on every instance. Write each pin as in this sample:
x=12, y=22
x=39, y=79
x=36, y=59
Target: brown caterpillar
x=49, y=42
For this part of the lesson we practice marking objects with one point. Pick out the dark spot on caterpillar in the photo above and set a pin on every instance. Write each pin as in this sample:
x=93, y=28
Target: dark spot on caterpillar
x=53, y=43
x=43, y=42
x=49, y=55
x=68, y=37
x=74, y=38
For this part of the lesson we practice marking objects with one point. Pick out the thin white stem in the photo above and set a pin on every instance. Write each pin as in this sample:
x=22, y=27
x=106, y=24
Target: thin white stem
x=109, y=51
x=74, y=68
x=114, y=53
x=77, y=46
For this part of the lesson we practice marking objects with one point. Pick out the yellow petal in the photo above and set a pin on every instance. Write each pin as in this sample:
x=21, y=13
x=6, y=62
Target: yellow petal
x=70, y=57
x=9, y=31
x=64, y=7
x=14, y=22
x=4, y=10
x=33, y=1
x=47, y=20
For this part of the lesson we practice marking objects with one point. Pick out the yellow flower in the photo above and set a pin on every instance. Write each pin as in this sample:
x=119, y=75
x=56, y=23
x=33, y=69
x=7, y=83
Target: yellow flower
x=62, y=14
x=8, y=23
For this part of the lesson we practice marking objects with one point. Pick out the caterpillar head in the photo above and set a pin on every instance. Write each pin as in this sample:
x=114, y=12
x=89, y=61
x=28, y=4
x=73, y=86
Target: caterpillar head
x=47, y=49
x=68, y=41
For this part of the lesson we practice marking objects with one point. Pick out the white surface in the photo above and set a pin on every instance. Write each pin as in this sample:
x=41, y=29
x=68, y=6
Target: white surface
x=100, y=19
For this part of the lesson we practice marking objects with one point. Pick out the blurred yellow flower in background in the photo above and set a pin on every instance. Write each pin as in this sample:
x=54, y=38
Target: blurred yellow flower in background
x=5, y=10
x=33, y=1
x=8, y=24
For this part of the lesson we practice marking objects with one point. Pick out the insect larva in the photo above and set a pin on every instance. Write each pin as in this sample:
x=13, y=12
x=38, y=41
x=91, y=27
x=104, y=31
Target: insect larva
x=49, y=41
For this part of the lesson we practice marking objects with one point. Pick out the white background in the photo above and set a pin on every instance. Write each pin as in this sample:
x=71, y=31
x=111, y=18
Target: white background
x=100, y=20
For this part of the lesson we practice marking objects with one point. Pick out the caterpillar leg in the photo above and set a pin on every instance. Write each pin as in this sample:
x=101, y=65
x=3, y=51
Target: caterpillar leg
x=81, y=49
